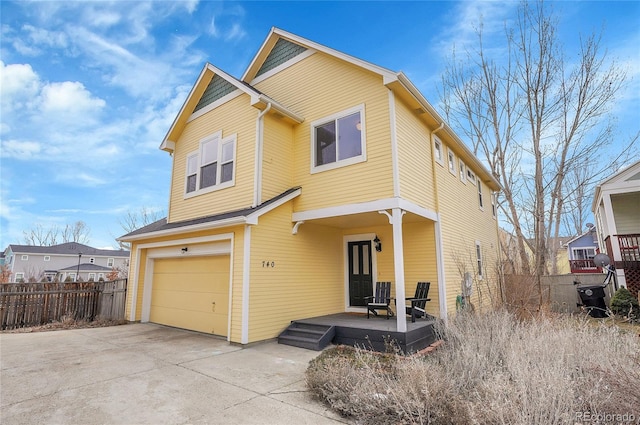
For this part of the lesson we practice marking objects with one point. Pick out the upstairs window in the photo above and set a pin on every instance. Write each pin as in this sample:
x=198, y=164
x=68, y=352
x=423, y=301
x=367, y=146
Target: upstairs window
x=47, y=258
x=338, y=140
x=437, y=150
x=212, y=167
x=480, y=202
x=471, y=176
x=110, y=262
x=462, y=168
x=25, y=257
x=452, y=162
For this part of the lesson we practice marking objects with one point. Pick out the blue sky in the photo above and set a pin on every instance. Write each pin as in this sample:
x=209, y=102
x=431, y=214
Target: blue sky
x=89, y=89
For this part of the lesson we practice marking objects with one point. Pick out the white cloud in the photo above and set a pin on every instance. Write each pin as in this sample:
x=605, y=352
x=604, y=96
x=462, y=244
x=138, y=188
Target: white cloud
x=18, y=85
x=69, y=98
x=23, y=150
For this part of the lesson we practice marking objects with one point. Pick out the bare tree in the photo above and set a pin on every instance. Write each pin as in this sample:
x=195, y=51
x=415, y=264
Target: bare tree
x=53, y=235
x=134, y=220
x=538, y=120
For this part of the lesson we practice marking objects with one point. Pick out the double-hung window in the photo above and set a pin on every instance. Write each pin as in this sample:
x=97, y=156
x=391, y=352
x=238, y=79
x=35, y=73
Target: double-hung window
x=437, y=149
x=212, y=166
x=479, y=259
x=338, y=140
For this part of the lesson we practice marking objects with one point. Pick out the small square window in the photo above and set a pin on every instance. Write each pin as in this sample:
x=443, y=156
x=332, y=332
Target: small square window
x=25, y=257
x=471, y=176
x=47, y=258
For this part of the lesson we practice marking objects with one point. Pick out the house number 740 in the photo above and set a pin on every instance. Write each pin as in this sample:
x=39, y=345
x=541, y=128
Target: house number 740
x=268, y=264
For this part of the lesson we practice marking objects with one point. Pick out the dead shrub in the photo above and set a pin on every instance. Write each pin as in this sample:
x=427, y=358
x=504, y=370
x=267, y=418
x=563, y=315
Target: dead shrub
x=493, y=368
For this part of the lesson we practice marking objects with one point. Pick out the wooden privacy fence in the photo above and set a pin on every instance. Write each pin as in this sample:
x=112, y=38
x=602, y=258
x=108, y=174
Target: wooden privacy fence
x=34, y=304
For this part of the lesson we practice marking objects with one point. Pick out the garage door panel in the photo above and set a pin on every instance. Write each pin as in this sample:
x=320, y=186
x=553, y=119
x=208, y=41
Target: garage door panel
x=191, y=293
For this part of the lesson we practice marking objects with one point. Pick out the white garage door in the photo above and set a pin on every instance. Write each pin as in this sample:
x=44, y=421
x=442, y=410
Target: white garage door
x=191, y=293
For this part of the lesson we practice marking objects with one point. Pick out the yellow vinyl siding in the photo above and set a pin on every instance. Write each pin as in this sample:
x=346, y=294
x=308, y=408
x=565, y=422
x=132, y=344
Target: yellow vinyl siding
x=304, y=277
x=414, y=157
x=625, y=211
x=234, y=117
x=277, y=157
x=420, y=261
x=330, y=86
x=463, y=223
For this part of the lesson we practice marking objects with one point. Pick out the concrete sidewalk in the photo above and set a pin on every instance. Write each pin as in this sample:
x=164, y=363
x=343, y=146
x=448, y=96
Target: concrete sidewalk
x=150, y=374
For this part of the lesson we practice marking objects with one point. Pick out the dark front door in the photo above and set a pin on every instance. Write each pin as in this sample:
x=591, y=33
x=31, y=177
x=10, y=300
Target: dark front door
x=360, y=279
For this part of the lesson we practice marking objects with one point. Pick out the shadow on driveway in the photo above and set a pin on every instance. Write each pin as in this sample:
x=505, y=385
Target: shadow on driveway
x=151, y=374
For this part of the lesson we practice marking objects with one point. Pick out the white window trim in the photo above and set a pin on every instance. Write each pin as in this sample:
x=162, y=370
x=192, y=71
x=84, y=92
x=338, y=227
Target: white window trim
x=100, y=276
x=19, y=276
x=471, y=176
x=438, y=143
x=110, y=262
x=480, y=196
x=198, y=154
x=345, y=162
x=92, y=276
x=451, y=162
x=47, y=258
x=581, y=248
x=479, y=260
x=462, y=171
x=24, y=258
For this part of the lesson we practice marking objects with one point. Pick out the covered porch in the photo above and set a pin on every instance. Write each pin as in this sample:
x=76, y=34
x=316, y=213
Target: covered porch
x=389, y=240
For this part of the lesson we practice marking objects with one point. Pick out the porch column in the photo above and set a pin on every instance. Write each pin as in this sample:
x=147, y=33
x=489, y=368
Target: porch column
x=398, y=265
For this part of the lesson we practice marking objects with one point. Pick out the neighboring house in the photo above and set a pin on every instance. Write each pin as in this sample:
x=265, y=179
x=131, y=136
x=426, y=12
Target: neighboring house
x=616, y=207
x=297, y=187
x=581, y=250
x=57, y=262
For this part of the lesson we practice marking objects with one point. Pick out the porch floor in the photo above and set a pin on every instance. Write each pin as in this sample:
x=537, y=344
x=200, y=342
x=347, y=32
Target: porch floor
x=375, y=333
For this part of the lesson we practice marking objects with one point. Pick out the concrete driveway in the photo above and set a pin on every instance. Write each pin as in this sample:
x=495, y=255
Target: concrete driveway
x=150, y=374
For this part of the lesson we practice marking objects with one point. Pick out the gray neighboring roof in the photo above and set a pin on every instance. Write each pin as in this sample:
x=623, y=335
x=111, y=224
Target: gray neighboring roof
x=162, y=225
x=68, y=248
x=87, y=267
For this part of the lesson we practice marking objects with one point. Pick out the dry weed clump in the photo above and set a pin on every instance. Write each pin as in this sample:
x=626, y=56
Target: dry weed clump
x=493, y=368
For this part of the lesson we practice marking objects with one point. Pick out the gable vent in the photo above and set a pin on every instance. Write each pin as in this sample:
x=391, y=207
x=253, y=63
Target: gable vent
x=217, y=88
x=281, y=52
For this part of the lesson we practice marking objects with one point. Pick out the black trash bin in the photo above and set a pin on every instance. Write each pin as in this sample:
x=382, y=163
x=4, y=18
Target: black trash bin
x=592, y=298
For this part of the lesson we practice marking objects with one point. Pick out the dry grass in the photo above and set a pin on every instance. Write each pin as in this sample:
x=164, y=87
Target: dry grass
x=68, y=323
x=493, y=369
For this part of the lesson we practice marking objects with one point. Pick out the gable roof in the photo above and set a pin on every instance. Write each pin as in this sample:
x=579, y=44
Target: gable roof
x=221, y=87
x=68, y=248
x=398, y=82
x=232, y=218
x=630, y=174
x=87, y=267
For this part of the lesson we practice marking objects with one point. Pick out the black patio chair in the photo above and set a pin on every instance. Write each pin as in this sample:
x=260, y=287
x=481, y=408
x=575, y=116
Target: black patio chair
x=380, y=300
x=419, y=301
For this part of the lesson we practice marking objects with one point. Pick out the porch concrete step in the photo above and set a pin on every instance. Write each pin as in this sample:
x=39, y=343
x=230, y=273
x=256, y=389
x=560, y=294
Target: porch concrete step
x=311, y=337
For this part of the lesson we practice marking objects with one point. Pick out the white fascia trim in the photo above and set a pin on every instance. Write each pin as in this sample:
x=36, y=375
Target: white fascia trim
x=195, y=227
x=246, y=267
x=253, y=217
x=385, y=73
x=413, y=90
x=283, y=66
x=364, y=207
x=214, y=105
x=266, y=100
x=165, y=140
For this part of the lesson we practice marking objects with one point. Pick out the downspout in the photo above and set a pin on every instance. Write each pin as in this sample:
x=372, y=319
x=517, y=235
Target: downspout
x=442, y=290
x=257, y=181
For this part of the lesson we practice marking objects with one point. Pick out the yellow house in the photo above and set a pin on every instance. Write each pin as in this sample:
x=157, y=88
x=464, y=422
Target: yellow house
x=299, y=186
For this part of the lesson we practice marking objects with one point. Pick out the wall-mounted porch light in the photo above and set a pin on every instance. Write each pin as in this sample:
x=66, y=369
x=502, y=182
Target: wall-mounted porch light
x=185, y=249
x=378, y=244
